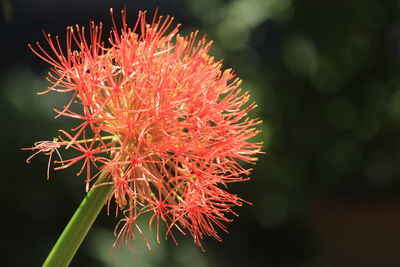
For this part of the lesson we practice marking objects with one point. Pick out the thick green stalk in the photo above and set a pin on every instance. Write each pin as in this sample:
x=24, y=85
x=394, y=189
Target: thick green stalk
x=77, y=228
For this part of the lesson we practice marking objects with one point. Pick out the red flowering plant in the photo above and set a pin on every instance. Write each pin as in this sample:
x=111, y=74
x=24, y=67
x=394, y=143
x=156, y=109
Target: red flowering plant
x=161, y=126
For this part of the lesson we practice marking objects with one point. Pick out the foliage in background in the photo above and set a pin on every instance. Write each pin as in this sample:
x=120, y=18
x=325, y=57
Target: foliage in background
x=325, y=75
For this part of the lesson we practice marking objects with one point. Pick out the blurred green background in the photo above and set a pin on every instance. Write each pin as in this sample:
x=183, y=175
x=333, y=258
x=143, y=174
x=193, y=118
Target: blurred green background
x=326, y=77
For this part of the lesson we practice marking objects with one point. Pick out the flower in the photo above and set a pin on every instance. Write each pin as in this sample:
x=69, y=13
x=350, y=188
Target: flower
x=158, y=119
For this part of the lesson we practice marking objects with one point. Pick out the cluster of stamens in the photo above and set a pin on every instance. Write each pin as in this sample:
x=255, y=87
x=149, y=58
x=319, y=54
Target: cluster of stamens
x=160, y=122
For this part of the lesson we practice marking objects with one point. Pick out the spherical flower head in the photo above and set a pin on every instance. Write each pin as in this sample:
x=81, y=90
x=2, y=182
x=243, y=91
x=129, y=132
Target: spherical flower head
x=158, y=119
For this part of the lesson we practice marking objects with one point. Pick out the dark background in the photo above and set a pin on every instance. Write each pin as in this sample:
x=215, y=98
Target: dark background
x=326, y=77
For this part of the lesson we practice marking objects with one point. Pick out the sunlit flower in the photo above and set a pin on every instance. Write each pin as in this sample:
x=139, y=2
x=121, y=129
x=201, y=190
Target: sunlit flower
x=159, y=120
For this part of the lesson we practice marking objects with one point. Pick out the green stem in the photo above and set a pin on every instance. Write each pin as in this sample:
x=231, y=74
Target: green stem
x=77, y=228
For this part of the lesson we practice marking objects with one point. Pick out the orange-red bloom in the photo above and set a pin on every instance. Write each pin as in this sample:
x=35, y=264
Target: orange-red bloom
x=158, y=118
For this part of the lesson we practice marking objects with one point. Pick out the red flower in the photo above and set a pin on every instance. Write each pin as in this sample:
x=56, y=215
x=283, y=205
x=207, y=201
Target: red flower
x=159, y=118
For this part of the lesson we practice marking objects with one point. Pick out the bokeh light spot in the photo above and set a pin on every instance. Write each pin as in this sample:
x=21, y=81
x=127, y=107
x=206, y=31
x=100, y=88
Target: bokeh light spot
x=300, y=55
x=241, y=16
